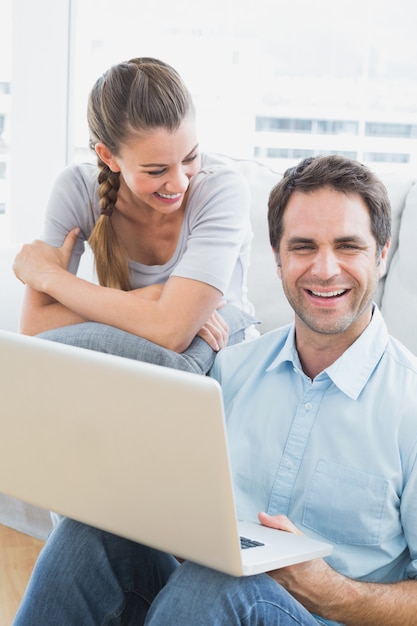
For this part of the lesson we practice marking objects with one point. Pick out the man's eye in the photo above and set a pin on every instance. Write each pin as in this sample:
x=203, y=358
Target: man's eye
x=349, y=246
x=302, y=248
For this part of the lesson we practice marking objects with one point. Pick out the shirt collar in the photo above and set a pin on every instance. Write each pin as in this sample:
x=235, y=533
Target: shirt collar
x=351, y=371
x=288, y=351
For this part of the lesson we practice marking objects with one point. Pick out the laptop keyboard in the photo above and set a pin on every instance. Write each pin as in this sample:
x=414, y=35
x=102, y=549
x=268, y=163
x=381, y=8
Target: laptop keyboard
x=249, y=543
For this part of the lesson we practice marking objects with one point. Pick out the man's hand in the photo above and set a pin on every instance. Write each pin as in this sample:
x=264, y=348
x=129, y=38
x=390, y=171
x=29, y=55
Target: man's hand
x=328, y=594
x=313, y=582
x=38, y=259
x=280, y=522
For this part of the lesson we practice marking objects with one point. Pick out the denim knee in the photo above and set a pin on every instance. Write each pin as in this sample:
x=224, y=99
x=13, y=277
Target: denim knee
x=204, y=597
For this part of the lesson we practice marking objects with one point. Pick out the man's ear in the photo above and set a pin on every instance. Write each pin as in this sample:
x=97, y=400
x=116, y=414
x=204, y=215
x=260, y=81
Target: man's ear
x=382, y=261
x=277, y=262
x=106, y=156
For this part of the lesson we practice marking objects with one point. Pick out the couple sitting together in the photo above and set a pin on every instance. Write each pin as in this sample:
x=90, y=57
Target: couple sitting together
x=332, y=449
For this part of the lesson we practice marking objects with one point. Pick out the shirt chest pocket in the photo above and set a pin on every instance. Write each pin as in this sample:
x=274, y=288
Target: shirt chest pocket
x=345, y=505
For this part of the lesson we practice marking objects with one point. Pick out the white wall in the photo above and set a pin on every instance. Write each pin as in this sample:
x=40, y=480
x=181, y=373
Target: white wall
x=39, y=127
x=11, y=290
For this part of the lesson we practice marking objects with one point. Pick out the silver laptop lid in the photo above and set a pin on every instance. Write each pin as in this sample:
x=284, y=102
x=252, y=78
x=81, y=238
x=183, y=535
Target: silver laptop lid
x=136, y=449
x=107, y=441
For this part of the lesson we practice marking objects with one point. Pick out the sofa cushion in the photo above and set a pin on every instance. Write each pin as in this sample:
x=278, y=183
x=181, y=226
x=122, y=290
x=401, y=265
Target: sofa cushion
x=25, y=517
x=399, y=301
x=398, y=185
x=12, y=290
x=264, y=287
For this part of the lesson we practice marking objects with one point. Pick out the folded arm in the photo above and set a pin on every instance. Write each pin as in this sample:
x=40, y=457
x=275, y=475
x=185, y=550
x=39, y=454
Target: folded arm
x=55, y=298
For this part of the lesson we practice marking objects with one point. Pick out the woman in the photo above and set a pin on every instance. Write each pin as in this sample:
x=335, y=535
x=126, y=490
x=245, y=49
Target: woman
x=169, y=230
x=168, y=227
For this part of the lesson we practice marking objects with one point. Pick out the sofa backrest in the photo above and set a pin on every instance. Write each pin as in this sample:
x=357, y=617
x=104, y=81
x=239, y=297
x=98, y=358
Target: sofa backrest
x=399, y=299
x=397, y=290
x=11, y=290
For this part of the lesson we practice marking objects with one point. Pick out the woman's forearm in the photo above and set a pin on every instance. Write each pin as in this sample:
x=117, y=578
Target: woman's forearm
x=40, y=313
x=172, y=320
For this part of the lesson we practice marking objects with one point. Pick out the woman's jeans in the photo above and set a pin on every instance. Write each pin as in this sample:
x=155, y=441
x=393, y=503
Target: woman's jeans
x=87, y=577
x=198, y=357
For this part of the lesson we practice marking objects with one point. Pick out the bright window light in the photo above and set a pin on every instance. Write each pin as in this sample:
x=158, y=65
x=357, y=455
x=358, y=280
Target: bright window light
x=271, y=80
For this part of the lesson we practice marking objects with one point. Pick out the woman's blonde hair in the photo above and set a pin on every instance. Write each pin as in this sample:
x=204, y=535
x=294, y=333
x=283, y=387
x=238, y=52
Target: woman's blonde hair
x=131, y=98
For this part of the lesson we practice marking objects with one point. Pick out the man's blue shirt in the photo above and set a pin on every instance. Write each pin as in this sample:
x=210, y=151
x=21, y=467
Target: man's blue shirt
x=337, y=455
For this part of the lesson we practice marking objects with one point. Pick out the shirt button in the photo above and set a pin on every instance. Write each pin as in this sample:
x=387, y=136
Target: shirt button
x=290, y=464
x=308, y=406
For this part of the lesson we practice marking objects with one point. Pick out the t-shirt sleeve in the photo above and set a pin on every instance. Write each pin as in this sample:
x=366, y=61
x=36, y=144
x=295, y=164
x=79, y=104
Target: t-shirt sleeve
x=219, y=227
x=70, y=204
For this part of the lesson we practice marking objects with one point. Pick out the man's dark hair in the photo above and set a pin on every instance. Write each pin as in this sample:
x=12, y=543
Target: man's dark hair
x=340, y=173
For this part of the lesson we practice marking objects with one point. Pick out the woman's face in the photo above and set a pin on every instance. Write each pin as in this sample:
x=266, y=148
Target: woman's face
x=158, y=167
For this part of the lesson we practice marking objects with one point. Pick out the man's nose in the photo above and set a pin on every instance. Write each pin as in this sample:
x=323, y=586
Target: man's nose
x=326, y=264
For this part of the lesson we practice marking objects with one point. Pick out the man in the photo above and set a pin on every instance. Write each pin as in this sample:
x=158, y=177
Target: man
x=322, y=423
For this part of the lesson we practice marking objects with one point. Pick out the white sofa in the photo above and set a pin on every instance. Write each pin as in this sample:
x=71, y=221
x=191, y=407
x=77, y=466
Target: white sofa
x=397, y=294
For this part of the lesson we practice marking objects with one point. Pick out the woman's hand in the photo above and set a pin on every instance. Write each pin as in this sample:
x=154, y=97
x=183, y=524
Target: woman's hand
x=215, y=331
x=168, y=314
x=38, y=259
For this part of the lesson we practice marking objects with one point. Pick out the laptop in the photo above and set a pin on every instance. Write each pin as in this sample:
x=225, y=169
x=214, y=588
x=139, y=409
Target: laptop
x=136, y=449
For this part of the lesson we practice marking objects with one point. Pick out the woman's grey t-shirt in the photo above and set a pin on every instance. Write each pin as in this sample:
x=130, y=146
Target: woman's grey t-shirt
x=214, y=242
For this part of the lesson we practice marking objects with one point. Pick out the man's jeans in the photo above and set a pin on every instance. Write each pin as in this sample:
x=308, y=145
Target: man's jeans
x=199, y=596
x=87, y=577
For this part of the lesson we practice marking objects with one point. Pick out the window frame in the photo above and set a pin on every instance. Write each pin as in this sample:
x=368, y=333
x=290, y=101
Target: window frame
x=42, y=129
x=40, y=100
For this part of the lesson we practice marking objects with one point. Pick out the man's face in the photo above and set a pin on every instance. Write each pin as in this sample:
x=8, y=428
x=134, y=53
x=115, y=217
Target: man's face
x=328, y=261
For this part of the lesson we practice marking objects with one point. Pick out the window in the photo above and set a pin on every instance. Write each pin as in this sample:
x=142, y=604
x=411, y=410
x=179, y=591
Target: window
x=286, y=124
x=337, y=127
x=5, y=105
x=37, y=125
x=270, y=80
x=298, y=154
x=281, y=153
x=383, y=129
x=386, y=157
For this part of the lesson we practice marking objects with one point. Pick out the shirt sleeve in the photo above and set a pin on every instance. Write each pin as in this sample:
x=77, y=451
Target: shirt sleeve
x=219, y=231
x=72, y=203
x=408, y=506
